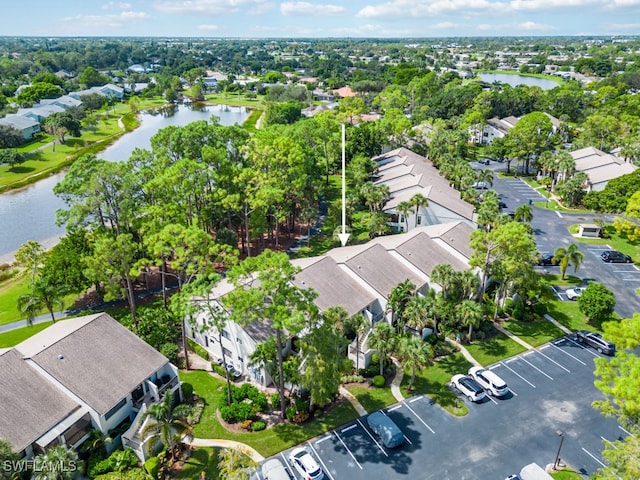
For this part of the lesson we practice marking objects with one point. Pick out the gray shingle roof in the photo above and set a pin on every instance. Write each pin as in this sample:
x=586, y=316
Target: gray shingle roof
x=18, y=121
x=425, y=253
x=31, y=405
x=334, y=287
x=95, y=357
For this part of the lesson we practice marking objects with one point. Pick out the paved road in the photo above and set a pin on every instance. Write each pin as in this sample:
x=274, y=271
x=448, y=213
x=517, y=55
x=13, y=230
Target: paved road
x=551, y=231
x=498, y=436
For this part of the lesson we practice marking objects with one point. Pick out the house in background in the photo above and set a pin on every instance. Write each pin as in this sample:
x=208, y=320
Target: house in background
x=77, y=375
x=499, y=127
x=40, y=112
x=406, y=174
x=64, y=101
x=600, y=167
x=358, y=278
x=27, y=126
x=108, y=90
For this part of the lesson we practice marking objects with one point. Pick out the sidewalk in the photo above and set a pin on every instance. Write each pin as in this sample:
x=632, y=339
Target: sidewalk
x=223, y=443
x=397, y=380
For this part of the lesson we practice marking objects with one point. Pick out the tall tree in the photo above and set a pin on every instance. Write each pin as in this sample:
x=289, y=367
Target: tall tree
x=404, y=209
x=415, y=355
x=597, y=302
x=45, y=294
x=382, y=338
x=418, y=201
x=234, y=464
x=265, y=292
x=444, y=275
x=397, y=302
x=166, y=422
x=523, y=213
x=570, y=255
x=470, y=313
x=58, y=463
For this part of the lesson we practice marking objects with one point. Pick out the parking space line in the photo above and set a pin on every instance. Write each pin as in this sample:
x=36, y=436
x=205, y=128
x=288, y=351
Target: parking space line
x=326, y=470
x=415, y=399
x=609, y=442
x=350, y=427
x=490, y=397
x=516, y=373
x=286, y=462
x=552, y=360
x=559, y=214
x=584, y=348
x=374, y=440
x=258, y=475
x=625, y=431
x=407, y=439
x=568, y=354
x=348, y=451
x=418, y=417
x=327, y=437
x=527, y=361
x=592, y=456
x=394, y=408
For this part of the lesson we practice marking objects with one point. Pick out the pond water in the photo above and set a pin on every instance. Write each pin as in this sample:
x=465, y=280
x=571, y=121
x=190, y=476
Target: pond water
x=29, y=213
x=515, y=80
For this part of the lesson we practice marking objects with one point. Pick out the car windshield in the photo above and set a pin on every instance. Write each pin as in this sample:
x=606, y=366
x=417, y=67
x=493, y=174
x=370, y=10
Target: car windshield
x=470, y=384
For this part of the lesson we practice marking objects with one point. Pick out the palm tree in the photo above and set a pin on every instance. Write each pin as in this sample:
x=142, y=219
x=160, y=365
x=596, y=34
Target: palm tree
x=415, y=354
x=566, y=256
x=234, y=464
x=361, y=325
x=470, y=314
x=166, y=423
x=485, y=176
x=566, y=164
x=445, y=276
x=523, y=213
x=417, y=311
x=418, y=201
x=404, y=209
x=264, y=357
x=58, y=463
x=397, y=301
x=469, y=283
x=382, y=339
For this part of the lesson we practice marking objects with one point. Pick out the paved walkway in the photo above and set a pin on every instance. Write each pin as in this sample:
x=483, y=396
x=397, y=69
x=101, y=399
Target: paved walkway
x=557, y=324
x=464, y=351
x=223, y=443
x=397, y=381
x=513, y=337
x=354, y=401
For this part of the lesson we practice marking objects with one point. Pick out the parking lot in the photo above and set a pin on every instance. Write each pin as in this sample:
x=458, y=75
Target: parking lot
x=552, y=390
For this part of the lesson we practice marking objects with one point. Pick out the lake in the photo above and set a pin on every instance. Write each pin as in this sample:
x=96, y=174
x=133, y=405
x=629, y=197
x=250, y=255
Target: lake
x=29, y=213
x=515, y=80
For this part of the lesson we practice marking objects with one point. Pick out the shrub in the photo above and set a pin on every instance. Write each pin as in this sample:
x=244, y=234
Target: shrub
x=152, y=466
x=122, y=460
x=301, y=405
x=300, y=417
x=375, y=359
x=351, y=379
x=187, y=391
x=246, y=425
x=219, y=369
x=275, y=401
x=133, y=474
x=236, y=412
x=290, y=413
x=259, y=400
x=170, y=350
x=198, y=349
x=378, y=381
x=258, y=425
x=540, y=309
x=99, y=467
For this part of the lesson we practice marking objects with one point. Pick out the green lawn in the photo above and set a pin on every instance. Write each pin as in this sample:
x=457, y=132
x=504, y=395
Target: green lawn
x=373, y=399
x=14, y=337
x=13, y=288
x=269, y=441
x=534, y=333
x=616, y=242
x=567, y=474
x=201, y=459
x=433, y=380
x=569, y=315
x=234, y=100
x=494, y=349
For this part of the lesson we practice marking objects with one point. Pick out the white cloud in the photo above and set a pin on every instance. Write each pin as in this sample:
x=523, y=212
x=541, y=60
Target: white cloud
x=120, y=5
x=445, y=26
x=208, y=28
x=425, y=8
x=311, y=9
x=110, y=21
x=261, y=9
x=624, y=26
x=210, y=7
x=534, y=26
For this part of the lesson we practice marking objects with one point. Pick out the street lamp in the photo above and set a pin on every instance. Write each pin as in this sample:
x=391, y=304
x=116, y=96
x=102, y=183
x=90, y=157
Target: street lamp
x=556, y=464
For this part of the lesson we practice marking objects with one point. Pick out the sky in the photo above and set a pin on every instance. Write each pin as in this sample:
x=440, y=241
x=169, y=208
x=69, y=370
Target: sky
x=320, y=18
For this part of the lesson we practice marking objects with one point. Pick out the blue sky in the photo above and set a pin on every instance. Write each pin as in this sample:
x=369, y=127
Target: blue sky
x=321, y=18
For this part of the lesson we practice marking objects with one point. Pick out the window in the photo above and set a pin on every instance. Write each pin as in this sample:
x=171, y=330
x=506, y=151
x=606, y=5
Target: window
x=419, y=219
x=239, y=340
x=401, y=218
x=227, y=353
x=240, y=359
x=225, y=334
x=115, y=409
x=206, y=341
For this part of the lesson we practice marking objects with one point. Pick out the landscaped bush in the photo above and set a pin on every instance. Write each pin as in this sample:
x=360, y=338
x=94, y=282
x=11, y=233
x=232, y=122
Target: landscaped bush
x=300, y=417
x=351, y=379
x=247, y=424
x=133, y=474
x=248, y=391
x=258, y=425
x=290, y=413
x=219, y=369
x=275, y=401
x=301, y=405
x=152, y=466
x=170, y=350
x=372, y=370
x=540, y=309
x=195, y=412
x=378, y=381
x=237, y=412
x=198, y=349
x=99, y=467
x=187, y=391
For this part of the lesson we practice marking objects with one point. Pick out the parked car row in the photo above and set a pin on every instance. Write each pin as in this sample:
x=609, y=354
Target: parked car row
x=478, y=383
x=595, y=340
x=613, y=256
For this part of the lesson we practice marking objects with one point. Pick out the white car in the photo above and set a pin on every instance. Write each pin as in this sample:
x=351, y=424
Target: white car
x=488, y=380
x=305, y=464
x=468, y=387
x=480, y=185
x=573, y=293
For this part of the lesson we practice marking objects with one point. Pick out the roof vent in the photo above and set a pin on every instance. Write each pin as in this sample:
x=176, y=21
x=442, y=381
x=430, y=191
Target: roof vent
x=60, y=356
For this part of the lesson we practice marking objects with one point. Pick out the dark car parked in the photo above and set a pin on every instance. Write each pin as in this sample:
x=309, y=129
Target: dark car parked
x=613, y=256
x=595, y=340
x=546, y=259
